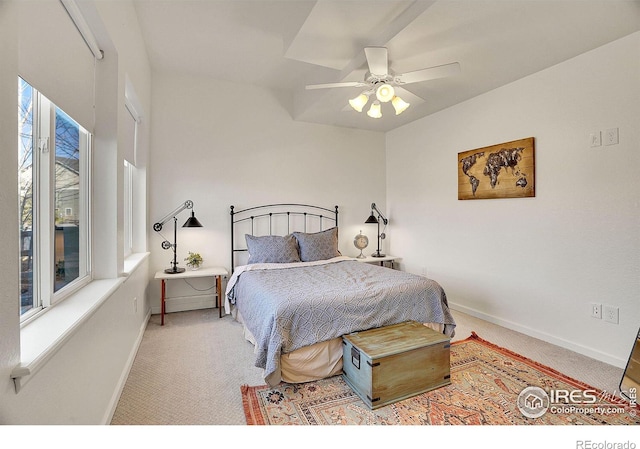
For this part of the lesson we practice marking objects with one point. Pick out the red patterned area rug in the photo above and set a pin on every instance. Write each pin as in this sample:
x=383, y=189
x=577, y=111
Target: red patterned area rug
x=490, y=385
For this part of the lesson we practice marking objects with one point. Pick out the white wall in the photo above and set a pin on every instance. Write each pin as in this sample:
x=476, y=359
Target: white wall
x=533, y=264
x=133, y=70
x=220, y=144
x=81, y=381
x=9, y=269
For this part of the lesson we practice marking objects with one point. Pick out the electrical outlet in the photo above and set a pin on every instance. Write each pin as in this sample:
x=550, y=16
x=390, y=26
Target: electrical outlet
x=611, y=136
x=596, y=310
x=610, y=314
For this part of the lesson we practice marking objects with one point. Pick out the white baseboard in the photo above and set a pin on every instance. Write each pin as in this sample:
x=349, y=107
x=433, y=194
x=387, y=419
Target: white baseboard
x=113, y=404
x=580, y=349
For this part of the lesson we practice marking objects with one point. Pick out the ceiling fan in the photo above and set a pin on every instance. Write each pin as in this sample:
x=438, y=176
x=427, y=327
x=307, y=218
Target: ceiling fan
x=386, y=84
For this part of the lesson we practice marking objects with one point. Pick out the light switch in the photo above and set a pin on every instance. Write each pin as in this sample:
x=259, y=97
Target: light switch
x=595, y=139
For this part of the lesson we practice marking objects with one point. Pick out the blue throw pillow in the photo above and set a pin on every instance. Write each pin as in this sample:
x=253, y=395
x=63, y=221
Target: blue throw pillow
x=318, y=246
x=272, y=249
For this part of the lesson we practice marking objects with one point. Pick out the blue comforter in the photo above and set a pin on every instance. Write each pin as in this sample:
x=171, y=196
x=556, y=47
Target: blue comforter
x=288, y=306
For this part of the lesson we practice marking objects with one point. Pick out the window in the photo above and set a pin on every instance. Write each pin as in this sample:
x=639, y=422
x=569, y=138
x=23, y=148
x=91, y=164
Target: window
x=53, y=176
x=131, y=174
x=128, y=208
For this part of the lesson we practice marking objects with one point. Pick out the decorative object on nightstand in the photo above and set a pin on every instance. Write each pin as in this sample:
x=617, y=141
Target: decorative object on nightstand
x=373, y=219
x=361, y=242
x=192, y=222
x=194, y=260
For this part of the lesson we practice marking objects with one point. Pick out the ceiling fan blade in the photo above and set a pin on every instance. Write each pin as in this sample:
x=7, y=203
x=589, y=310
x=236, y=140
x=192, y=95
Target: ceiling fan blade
x=331, y=85
x=431, y=73
x=409, y=97
x=378, y=60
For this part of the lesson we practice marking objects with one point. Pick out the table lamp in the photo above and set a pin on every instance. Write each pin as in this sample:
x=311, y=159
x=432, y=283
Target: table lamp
x=192, y=222
x=373, y=219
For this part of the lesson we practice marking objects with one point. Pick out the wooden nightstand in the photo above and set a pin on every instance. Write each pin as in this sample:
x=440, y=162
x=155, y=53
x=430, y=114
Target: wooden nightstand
x=214, y=272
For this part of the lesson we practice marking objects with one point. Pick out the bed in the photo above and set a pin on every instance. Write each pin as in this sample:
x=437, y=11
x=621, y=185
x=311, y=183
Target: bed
x=296, y=295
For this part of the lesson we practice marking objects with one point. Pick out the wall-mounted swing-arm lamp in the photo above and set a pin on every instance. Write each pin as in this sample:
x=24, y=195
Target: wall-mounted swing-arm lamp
x=373, y=219
x=192, y=222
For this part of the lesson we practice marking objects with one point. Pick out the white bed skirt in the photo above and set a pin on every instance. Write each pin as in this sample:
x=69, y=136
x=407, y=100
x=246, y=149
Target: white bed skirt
x=314, y=362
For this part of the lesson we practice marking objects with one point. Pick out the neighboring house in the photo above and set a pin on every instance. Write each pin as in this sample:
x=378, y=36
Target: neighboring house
x=66, y=220
x=66, y=193
x=67, y=190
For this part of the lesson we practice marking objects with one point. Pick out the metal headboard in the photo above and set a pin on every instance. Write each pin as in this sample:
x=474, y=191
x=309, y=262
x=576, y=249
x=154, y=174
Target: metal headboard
x=325, y=218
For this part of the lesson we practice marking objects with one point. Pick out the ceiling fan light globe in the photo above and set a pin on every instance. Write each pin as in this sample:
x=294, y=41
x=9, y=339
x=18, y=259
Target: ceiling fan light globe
x=399, y=105
x=385, y=93
x=359, y=102
x=375, y=110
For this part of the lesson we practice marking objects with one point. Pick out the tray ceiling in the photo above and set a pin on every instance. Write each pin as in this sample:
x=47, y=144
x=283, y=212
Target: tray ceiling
x=287, y=44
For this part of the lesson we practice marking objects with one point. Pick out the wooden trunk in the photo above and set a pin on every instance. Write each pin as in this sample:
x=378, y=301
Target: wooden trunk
x=392, y=363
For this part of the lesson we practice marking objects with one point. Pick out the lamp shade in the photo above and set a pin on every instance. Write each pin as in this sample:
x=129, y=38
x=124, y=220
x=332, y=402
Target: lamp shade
x=192, y=222
x=359, y=102
x=385, y=93
x=371, y=219
x=374, y=110
x=399, y=105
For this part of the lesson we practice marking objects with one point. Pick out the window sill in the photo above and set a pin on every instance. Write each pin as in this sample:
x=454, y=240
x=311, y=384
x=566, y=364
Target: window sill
x=132, y=262
x=43, y=337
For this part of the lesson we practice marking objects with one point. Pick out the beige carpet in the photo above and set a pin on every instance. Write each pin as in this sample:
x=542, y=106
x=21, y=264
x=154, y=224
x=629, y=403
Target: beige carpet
x=190, y=370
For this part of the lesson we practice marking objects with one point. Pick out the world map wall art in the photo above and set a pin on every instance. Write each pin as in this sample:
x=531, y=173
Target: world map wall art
x=506, y=170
